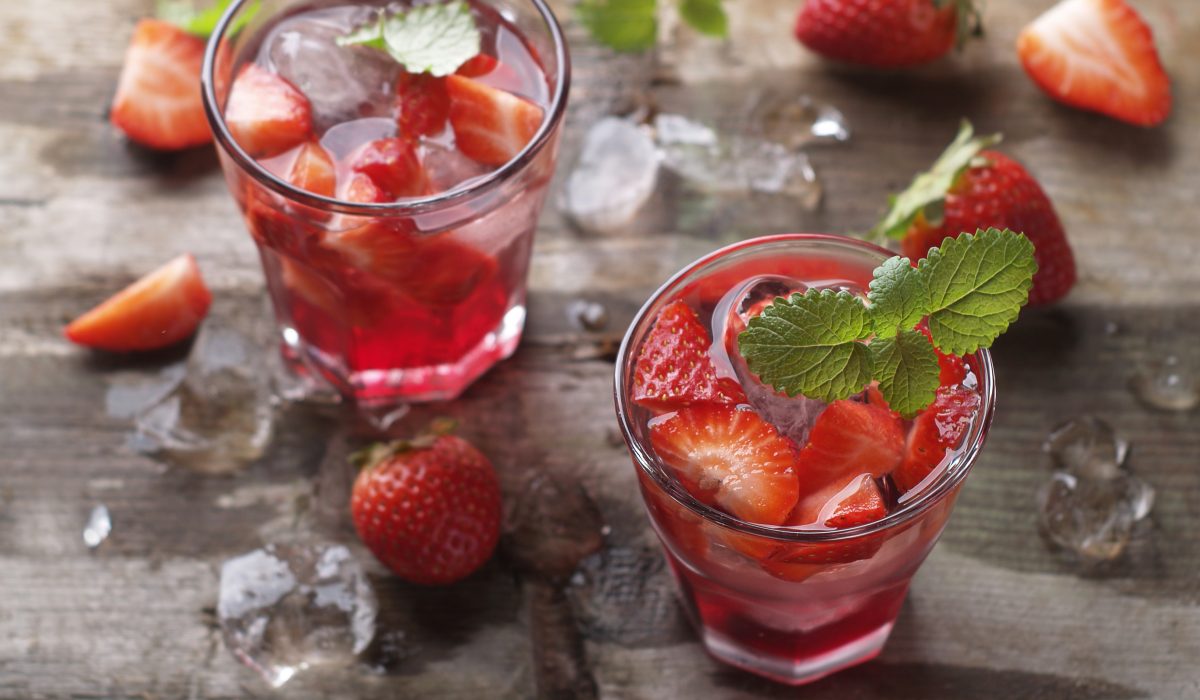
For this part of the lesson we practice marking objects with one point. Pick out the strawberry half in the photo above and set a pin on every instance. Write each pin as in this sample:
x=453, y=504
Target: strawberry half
x=266, y=114
x=938, y=428
x=158, y=102
x=393, y=165
x=491, y=126
x=158, y=310
x=730, y=458
x=1097, y=55
x=673, y=368
x=422, y=105
x=850, y=438
x=885, y=33
x=313, y=170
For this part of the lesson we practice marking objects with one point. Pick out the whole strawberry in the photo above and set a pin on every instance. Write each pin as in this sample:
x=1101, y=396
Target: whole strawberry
x=970, y=188
x=429, y=508
x=885, y=33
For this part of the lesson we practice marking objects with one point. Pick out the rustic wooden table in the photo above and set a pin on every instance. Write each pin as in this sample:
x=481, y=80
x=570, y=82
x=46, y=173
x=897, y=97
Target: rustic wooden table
x=993, y=613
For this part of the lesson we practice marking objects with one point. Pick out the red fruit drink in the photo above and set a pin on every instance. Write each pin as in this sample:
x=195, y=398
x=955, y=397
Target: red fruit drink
x=792, y=527
x=393, y=209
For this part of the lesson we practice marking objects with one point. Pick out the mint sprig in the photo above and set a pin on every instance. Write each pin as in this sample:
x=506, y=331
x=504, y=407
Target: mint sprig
x=202, y=21
x=434, y=39
x=632, y=25
x=828, y=345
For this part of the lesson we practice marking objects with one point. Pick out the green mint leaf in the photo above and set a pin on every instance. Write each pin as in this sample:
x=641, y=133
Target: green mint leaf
x=928, y=190
x=705, y=16
x=898, y=297
x=434, y=39
x=623, y=25
x=808, y=344
x=977, y=285
x=907, y=370
x=202, y=22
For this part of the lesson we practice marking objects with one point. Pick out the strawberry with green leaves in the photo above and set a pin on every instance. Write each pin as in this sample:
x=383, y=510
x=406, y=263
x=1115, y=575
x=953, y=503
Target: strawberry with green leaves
x=886, y=33
x=970, y=188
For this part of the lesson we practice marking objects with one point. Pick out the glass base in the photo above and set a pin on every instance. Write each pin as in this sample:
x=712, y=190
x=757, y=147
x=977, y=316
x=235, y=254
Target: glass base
x=378, y=389
x=795, y=671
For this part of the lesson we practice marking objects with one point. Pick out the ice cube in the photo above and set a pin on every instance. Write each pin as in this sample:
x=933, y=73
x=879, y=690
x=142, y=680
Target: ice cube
x=1168, y=383
x=798, y=121
x=341, y=82
x=792, y=416
x=552, y=527
x=448, y=168
x=722, y=163
x=219, y=416
x=1091, y=520
x=588, y=315
x=289, y=606
x=615, y=176
x=1087, y=447
x=98, y=527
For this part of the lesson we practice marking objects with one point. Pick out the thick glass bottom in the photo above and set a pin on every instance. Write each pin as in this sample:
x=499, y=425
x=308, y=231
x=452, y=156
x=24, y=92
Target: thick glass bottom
x=795, y=671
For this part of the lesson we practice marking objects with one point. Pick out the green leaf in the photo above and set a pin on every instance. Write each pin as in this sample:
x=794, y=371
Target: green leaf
x=808, y=344
x=705, y=16
x=898, y=297
x=624, y=25
x=929, y=188
x=434, y=39
x=202, y=22
x=977, y=285
x=907, y=370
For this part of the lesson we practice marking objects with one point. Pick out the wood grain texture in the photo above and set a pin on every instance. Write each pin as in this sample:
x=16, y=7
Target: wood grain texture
x=992, y=614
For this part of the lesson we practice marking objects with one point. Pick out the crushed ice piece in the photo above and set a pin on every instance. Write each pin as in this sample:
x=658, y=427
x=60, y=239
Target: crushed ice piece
x=220, y=415
x=589, y=315
x=735, y=163
x=615, y=176
x=1087, y=447
x=792, y=416
x=553, y=526
x=799, y=120
x=98, y=527
x=287, y=607
x=341, y=82
x=1091, y=520
x=448, y=168
x=1168, y=383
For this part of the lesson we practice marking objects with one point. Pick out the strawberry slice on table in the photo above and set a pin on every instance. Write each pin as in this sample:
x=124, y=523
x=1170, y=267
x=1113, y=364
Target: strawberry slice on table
x=1097, y=55
x=158, y=310
x=730, y=458
x=266, y=114
x=393, y=165
x=313, y=170
x=491, y=126
x=847, y=439
x=422, y=105
x=673, y=368
x=158, y=102
x=937, y=429
x=980, y=189
x=885, y=33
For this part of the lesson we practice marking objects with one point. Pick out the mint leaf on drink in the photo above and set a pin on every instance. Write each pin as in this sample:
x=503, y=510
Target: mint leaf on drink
x=809, y=344
x=906, y=368
x=977, y=285
x=202, y=22
x=623, y=25
x=898, y=297
x=705, y=16
x=434, y=39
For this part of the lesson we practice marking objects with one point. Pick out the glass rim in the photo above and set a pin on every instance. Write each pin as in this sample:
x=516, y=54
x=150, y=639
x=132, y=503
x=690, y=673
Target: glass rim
x=413, y=205
x=652, y=466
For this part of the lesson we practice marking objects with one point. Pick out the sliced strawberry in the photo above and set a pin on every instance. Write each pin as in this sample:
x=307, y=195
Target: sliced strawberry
x=447, y=271
x=799, y=561
x=850, y=438
x=158, y=101
x=730, y=458
x=394, y=166
x=674, y=369
x=1097, y=55
x=491, y=126
x=313, y=170
x=158, y=310
x=481, y=65
x=361, y=189
x=938, y=428
x=952, y=369
x=422, y=105
x=266, y=114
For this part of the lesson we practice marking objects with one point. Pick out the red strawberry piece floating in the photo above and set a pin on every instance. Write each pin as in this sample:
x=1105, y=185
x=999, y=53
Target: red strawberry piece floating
x=479, y=66
x=394, y=167
x=158, y=310
x=885, y=33
x=422, y=105
x=313, y=170
x=938, y=428
x=158, y=102
x=674, y=369
x=429, y=509
x=847, y=439
x=1097, y=55
x=951, y=368
x=491, y=126
x=730, y=458
x=266, y=114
